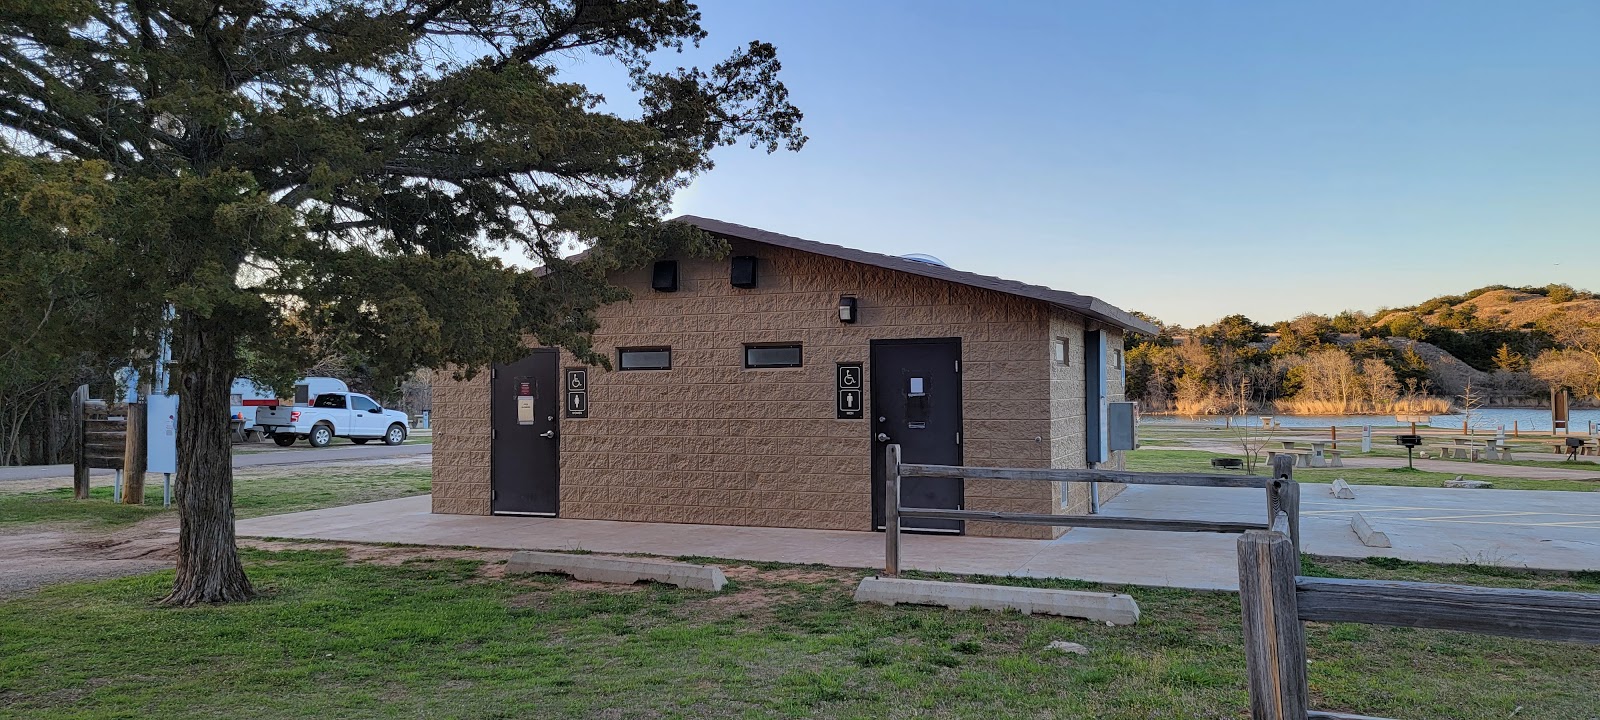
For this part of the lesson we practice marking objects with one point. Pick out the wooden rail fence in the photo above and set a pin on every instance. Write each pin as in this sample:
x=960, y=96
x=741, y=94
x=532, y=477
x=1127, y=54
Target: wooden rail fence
x=1275, y=600
x=1282, y=493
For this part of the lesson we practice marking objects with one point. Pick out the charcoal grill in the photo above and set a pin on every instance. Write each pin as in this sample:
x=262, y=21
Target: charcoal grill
x=1411, y=442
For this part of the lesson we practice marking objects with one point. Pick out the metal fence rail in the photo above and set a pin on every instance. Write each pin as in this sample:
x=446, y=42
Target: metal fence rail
x=1282, y=493
x=1275, y=600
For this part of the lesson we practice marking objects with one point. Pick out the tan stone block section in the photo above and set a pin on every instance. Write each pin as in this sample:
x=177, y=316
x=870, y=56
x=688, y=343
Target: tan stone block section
x=452, y=506
x=712, y=442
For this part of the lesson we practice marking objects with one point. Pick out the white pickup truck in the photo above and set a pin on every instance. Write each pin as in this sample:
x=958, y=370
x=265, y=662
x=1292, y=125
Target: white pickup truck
x=331, y=415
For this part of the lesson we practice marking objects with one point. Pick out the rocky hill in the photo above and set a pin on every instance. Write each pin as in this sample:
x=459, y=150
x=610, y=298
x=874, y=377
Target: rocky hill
x=1502, y=307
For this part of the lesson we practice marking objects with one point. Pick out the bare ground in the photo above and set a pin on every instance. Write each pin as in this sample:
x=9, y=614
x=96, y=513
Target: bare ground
x=47, y=555
x=50, y=555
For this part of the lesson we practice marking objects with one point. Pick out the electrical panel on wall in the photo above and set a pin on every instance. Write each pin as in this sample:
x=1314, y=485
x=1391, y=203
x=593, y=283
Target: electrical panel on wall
x=1122, y=424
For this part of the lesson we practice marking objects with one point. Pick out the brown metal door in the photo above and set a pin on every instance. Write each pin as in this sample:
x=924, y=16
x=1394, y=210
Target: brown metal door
x=524, y=457
x=916, y=402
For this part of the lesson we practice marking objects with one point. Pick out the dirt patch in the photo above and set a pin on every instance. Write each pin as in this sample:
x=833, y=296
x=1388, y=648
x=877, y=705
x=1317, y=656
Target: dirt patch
x=493, y=560
x=806, y=575
x=751, y=602
x=49, y=555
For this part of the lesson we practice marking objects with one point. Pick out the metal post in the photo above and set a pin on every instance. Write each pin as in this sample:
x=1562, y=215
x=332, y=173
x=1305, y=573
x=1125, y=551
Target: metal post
x=1366, y=438
x=80, y=444
x=116, y=487
x=166, y=489
x=1094, y=494
x=891, y=511
x=1333, y=431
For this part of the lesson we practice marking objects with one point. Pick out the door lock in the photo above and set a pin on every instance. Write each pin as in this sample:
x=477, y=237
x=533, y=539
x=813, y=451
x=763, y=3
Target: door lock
x=548, y=434
x=883, y=437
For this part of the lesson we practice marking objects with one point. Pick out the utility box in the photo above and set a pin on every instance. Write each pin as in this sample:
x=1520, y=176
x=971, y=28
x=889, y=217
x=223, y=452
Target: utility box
x=1122, y=425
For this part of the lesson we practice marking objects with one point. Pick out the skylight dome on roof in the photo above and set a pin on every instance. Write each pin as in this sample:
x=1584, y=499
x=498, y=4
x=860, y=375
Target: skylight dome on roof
x=924, y=258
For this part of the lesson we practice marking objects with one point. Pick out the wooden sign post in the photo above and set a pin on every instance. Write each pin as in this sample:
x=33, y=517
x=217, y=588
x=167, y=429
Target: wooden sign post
x=133, y=456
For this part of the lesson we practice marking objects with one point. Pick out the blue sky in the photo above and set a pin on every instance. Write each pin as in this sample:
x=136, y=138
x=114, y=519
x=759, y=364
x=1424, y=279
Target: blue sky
x=1187, y=159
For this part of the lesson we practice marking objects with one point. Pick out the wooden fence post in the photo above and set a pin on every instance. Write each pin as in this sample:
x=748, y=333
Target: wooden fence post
x=1274, y=639
x=80, y=444
x=1288, y=498
x=891, y=511
x=1288, y=495
x=133, y=455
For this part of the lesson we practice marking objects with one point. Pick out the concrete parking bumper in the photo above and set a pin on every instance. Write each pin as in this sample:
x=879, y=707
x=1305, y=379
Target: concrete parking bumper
x=600, y=568
x=1114, y=608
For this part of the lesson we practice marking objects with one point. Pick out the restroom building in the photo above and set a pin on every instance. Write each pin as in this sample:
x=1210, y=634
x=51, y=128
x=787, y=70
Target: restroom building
x=762, y=388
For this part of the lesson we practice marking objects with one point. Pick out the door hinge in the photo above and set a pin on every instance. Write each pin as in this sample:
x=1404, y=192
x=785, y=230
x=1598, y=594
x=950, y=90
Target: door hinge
x=958, y=438
x=493, y=373
x=493, y=433
x=958, y=366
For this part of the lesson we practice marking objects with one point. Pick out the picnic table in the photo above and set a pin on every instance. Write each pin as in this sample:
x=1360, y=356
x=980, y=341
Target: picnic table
x=1586, y=446
x=1471, y=447
x=1317, y=456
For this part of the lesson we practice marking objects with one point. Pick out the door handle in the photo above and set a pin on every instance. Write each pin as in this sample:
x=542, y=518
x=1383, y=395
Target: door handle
x=883, y=437
x=548, y=434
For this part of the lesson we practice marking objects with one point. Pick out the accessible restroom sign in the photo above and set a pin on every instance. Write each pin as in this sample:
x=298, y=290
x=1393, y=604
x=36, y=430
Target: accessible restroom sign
x=848, y=392
x=577, y=393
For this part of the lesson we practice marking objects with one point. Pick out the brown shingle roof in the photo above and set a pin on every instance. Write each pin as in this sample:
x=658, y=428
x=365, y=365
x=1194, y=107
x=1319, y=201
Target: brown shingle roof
x=1081, y=304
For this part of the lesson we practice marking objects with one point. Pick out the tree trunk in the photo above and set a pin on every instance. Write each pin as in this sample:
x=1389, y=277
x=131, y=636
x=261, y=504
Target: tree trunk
x=209, y=570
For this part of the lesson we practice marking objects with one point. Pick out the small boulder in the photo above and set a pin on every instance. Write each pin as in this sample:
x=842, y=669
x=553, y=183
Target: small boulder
x=1068, y=647
x=1470, y=484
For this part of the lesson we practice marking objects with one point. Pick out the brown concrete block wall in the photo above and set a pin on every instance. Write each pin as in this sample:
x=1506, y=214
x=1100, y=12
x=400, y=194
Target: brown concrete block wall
x=1068, y=439
x=710, y=441
x=460, y=422
x=723, y=444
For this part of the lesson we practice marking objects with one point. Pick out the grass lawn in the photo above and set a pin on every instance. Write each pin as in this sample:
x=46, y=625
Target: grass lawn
x=438, y=638
x=254, y=493
x=1197, y=461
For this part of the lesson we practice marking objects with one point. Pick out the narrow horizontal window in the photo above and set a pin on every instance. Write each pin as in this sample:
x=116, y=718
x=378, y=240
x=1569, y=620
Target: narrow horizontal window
x=771, y=356
x=644, y=359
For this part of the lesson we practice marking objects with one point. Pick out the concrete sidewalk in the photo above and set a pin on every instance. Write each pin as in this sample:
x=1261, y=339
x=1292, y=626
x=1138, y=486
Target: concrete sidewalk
x=1559, y=532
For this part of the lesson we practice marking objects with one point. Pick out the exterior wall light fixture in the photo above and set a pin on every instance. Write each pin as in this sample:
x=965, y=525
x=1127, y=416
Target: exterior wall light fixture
x=847, y=309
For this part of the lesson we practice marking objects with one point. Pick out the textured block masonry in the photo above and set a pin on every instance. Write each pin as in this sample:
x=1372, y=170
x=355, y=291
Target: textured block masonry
x=712, y=442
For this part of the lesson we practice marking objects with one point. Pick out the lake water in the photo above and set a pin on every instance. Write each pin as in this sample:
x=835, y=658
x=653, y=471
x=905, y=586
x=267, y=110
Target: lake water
x=1525, y=419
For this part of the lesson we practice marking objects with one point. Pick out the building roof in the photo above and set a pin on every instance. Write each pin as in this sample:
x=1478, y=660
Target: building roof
x=1081, y=304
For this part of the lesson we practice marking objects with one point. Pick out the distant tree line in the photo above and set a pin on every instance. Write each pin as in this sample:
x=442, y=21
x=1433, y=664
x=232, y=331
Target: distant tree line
x=1420, y=359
